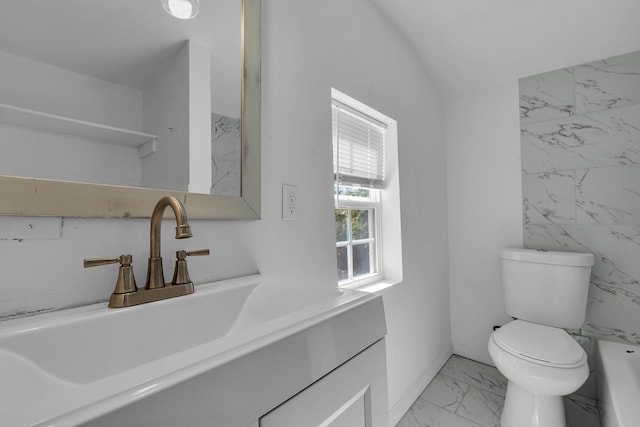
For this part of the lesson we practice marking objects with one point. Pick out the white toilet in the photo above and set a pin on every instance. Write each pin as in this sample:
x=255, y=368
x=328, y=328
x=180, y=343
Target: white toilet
x=545, y=291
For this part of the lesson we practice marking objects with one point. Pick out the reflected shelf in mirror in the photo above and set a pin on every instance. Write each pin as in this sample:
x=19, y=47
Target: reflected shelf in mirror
x=24, y=117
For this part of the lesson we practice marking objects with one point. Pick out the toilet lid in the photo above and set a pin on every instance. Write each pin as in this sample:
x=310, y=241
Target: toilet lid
x=539, y=343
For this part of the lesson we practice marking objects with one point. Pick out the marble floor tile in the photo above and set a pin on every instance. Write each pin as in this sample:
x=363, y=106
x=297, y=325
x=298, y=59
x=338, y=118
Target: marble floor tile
x=482, y=407
x=482, y=376
x=426, y=414
x=473, y=383
x=446, y=392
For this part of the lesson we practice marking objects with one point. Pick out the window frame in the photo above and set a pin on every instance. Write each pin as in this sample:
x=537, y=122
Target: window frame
x=388, y=213
x=373, y=204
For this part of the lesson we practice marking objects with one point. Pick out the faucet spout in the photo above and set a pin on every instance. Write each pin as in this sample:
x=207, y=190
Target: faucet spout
x=155, y=276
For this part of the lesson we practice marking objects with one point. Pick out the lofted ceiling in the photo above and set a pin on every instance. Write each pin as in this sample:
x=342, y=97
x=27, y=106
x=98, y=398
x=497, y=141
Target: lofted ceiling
x=467, y=45
x=464, y=45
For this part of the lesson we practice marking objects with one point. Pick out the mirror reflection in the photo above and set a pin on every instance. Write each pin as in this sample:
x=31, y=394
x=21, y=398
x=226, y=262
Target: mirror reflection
x=121, y=93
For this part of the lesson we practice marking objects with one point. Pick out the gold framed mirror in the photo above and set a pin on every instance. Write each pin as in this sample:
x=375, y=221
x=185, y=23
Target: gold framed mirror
x=36, y=196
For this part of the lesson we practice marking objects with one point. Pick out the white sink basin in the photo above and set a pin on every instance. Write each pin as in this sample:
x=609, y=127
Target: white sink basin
x=28, y=381
x=82, y=345
x=73, y=366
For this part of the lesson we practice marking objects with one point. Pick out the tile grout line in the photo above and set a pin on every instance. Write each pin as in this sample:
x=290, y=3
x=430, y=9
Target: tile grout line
x=463, y=396
x=455, y=412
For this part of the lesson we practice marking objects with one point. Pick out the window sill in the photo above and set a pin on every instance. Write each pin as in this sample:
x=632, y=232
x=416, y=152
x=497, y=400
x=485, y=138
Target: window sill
x=373, y=285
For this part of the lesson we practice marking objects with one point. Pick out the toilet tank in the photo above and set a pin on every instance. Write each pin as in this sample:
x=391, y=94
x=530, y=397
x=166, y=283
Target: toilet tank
x=546, y=287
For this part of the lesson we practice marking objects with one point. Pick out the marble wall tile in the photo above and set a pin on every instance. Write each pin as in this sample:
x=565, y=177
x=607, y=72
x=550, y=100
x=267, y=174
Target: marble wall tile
x=614, y=311
x=609, y=83
x=225, y=137
x=581, y=412
x=608, y=195
x=614, y=296
x=603, y=138
x=225, y=155
x=549, y=198
x=589, y=346
x=225, y=180
x=612, y=334
x=546, y=96
x=598, y=142
x=616, y=248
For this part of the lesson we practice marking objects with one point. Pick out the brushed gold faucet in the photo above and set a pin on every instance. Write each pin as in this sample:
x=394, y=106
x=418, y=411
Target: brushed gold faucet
x=155, y=277
x=126, y=293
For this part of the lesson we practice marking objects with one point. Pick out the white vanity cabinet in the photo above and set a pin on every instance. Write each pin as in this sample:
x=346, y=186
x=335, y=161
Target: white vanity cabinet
x=324, y=365
x=353, y=395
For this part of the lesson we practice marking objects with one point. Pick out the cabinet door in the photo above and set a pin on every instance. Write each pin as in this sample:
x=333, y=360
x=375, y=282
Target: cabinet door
x=352, y=395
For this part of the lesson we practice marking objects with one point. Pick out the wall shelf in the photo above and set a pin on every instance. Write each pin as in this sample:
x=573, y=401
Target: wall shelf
x=33, y=119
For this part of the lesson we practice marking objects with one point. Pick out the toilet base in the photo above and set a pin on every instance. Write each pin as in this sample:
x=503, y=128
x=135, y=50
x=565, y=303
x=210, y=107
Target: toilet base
x=523, y=408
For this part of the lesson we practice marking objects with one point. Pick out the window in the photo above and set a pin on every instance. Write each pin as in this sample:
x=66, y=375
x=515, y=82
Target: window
x=357, y=233
x=358, y=147
x=360, y=169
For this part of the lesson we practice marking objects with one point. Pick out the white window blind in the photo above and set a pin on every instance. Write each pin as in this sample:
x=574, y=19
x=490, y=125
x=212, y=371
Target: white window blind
x=358, y=147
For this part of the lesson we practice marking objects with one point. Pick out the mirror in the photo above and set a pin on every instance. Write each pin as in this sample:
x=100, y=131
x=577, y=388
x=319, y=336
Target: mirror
x=107, y=106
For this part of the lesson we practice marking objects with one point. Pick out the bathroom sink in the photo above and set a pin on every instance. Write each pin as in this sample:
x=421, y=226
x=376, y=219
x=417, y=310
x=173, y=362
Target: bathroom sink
x=82, y=364
x=28, y=381
x=82, y=345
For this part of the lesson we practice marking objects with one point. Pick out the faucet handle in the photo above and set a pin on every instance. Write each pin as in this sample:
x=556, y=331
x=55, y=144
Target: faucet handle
x=181, y=273
x=183, y=254
x=95, y=262
x=126, y=282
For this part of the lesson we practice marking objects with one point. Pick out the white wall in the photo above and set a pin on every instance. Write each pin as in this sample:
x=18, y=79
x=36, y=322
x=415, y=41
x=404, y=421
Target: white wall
x=308, y=47
x=166, y=114
x=484, y=195
x=199, y=119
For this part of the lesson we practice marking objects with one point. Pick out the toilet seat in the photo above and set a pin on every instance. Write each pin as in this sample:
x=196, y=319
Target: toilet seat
x=540, y=344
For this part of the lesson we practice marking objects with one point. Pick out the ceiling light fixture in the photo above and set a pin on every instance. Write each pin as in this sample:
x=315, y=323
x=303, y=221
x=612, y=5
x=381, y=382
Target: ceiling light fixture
x=183, y=9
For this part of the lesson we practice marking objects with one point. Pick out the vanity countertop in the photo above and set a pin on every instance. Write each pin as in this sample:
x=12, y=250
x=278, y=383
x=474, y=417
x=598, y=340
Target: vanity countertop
x=73, y=366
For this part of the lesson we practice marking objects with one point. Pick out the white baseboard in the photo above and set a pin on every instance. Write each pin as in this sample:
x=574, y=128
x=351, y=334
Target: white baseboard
x=473, y=353
x=411, y=395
